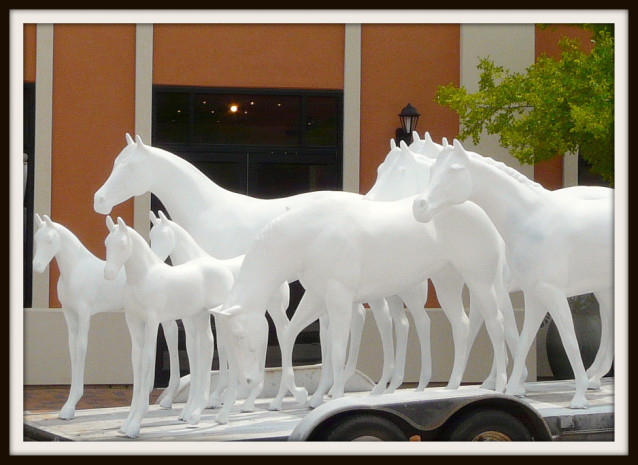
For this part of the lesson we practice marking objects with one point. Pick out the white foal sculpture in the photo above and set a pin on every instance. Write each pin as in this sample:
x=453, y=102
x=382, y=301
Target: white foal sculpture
x=83, y=292
x=156, y=292
x=559, y=245
x=347, y=251
x=170, y=239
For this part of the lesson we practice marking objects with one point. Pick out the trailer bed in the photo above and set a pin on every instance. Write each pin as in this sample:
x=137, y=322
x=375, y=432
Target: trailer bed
x=550, y=398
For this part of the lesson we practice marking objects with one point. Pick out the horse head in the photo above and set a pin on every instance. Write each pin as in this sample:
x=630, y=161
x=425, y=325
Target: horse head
x=245, y=334
x=402, y=174
x=162, y=236
x=450, y=183
x=130, y=177
x=118, y=247
x=426, y=146
x=46, y=243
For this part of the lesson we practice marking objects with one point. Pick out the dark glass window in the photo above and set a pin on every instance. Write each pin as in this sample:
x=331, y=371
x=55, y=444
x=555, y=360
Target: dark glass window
x=266, y=143
x=172, y=117
x=232, y=119
x=29, y=151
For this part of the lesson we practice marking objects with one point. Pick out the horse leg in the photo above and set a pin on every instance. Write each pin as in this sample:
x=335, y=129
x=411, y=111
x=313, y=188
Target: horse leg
x=381, y=312
x=214, y=400
x=147, y=364
x=136, y=329
x=74, y=329
x=401, y=329
x=309, y=309
x=511, y=331
x=192, y=344
x=415, y=301
x=339, y=307
x=325, y=381
x=356, y=332
x=228, y=399
x=449, y=291
x=204, y=360
x=605, y=355
x=170, y=329
x=556, y=302
x=535, y=312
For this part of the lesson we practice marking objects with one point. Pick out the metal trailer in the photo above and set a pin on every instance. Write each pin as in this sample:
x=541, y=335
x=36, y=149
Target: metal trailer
x=437, y=414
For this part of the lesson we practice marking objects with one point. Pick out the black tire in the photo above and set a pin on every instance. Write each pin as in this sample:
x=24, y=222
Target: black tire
x=488, y=425
x=362, y=427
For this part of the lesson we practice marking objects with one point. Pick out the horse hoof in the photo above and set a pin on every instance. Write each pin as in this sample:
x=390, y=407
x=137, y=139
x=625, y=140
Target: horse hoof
x=275, y=405
x=315, y=401
x=594, y=384
x=579, y=403
x=489, y=384
x=67, y=413
x=302, y=396
x=132, y=431
x=377, y=390
x=221, y=418
x=166, y=404
x=517, y=391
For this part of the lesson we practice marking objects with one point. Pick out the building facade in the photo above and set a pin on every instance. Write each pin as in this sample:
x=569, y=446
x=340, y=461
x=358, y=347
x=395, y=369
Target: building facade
x=342, y=86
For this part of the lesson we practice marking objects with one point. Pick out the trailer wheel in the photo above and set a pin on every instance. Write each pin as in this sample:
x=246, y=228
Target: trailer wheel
x=488, y=425
x=365, y=428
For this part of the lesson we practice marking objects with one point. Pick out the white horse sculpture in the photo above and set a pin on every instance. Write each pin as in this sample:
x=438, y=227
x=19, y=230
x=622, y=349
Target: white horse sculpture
x=222, y=222
x=157, y=292
x=83, y=292
x=404, y=173
x=169, y=238
x=559, y=245
x=347, y=251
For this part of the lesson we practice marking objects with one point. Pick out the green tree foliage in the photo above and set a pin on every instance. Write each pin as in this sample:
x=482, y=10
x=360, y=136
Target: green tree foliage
x=554, y=107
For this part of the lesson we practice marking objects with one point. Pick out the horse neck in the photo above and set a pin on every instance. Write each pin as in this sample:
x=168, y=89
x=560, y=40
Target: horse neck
x=71, y=252
x=507, y=199
x=142, y=259
x=183, y=189
x=269, y=262
x=185, y=248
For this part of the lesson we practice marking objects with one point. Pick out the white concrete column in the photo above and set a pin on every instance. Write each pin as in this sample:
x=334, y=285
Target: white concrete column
x=43, y=143
x=508, y=45
x=352, y=107
x=143, y=113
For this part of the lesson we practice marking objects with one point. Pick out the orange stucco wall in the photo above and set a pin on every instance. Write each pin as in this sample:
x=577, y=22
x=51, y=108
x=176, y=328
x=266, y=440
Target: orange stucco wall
x=29, y=46
x=93, y=108
x=549, y=173
x=306, y=56
x=401, y=64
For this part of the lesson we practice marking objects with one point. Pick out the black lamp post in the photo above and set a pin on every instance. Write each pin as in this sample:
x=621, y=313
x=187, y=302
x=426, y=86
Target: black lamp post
x=409, y=117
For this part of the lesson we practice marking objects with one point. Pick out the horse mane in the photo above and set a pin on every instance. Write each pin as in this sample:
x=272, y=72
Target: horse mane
x=508, y=170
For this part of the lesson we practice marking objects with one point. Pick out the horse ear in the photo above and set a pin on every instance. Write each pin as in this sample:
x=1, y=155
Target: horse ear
x=457, y=144
x=415, y=136
x=129, y=140
x=393, y=144
x=444, y=142
x=109, y=223
x=162, y=215
x=38, y=221
x=427, y=137
x=47, y=220
x=138, y=139
x=225, y=313
x=152, y=217
x=121, y=222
